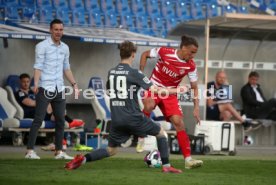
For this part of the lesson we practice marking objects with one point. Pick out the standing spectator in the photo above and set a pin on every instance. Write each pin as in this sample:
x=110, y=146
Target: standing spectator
x=171, y=67
x=255, y=105
x=51, y=62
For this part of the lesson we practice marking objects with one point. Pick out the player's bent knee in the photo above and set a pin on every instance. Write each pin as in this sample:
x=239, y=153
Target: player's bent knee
x=112, y=151
x=161, y=133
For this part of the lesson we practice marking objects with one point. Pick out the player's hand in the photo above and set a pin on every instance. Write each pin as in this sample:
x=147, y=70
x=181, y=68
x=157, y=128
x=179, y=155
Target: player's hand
x=196, y=115
x=35, y=89
x=77, y=91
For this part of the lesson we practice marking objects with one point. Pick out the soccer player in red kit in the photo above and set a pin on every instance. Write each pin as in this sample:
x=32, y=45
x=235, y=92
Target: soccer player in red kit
x=171, y=67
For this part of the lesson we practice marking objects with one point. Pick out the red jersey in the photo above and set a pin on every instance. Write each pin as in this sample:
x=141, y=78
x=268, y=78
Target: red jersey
x=169, y=70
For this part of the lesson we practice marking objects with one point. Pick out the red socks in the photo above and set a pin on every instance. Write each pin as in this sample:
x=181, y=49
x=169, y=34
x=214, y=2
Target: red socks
x=184, y=143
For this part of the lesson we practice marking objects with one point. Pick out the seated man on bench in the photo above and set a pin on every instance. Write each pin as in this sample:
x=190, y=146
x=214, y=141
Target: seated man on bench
x=255, y=105
x=26, y=98
x=219, y=102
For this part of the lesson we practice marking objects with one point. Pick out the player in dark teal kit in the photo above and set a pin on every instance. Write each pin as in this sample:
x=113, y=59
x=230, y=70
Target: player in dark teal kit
x=123, y=85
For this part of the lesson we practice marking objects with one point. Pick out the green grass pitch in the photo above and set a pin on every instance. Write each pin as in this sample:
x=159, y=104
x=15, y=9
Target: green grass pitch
x=129, y=169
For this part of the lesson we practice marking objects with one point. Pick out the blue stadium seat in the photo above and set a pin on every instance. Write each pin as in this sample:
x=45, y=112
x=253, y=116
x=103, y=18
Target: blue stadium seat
x=213, y=10
x=27, y=3
x=110, y=20
x=92, y=5
x=43, y=4
x=183, y=11
x=142, y=22
x=95, y=19
x=9, y=3
x=11, y=12
x=76, y=5
x=157, y=24
x=142, y=26
x=123, y=8
x=78, y=18
x=243, y=9
x=153, y=8
x=197, y=11
x=138, y=8
x=168, y=9
x=171, y=23
x=63, y=14
x=108, y=7
x=60, y=4
x=28, y=13
x=45, y=15
x=229, y=9
x=127, y=21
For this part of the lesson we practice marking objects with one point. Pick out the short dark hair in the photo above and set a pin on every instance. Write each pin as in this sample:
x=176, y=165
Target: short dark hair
x=126, y=49
x=55, y=21
x=253, y=74
x=187, y=41
x=24, y=75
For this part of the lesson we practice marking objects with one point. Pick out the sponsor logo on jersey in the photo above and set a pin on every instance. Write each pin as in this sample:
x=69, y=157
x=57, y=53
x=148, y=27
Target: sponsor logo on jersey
x=169, y=72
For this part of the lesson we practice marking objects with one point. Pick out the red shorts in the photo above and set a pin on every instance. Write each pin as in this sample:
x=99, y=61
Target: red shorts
x=168, y=104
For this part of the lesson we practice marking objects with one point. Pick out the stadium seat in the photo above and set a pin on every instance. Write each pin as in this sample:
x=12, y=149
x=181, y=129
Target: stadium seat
x=127, y=21
x=92, y=5
x=123, y=8
x=168, y=9
x=229, y=9
x=7, y=111
x=153, y=8
x=44, y=4
x=12, y=86
x=78, y=18
x=183, y=11
x=60, y=4
x=100, y=102
x=11, y=12
x=138, y=8
x=64, y=15
x=27, y=3
x=171, y=23
x=108, y=7
x=157, y=25
x=213, y=10
x=110, y=20
x=28, y=13
x=197, y=11
x=10, y=3
x=95, y=19
x=45, y=15
x=76, y=5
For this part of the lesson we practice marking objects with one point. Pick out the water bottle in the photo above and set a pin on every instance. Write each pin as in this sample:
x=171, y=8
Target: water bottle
x=68, y=139
x=175, y=147
x=197, y=146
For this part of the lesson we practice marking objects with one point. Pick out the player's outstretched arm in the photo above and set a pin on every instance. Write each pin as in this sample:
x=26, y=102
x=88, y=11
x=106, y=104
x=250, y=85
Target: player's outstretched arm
x=143, y=60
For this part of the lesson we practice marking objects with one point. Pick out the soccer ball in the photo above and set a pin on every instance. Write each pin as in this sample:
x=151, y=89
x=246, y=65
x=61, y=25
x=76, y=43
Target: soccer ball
x=153, y=159
x=248, y=140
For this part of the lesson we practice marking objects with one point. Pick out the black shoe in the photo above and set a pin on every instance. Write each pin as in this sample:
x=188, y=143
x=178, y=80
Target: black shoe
x=249, y=125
